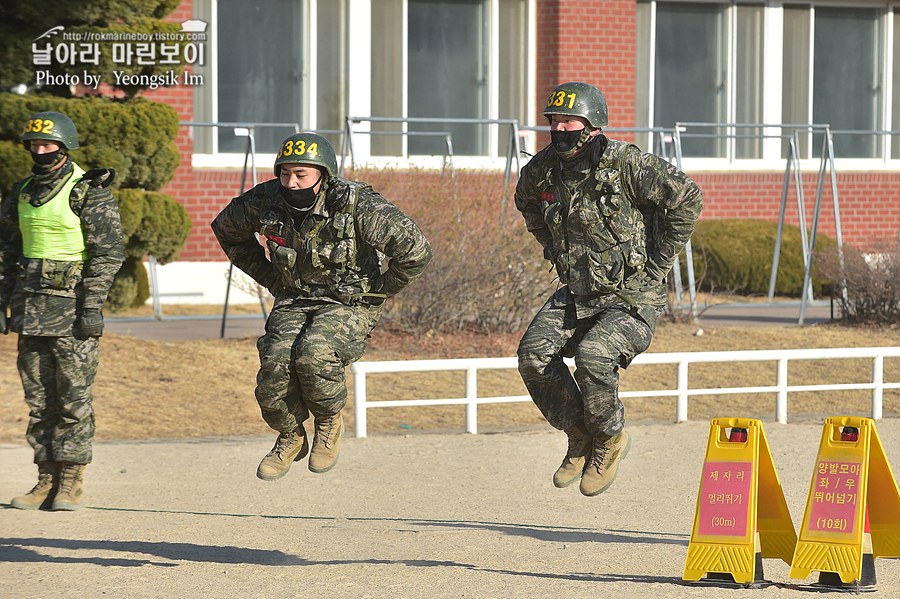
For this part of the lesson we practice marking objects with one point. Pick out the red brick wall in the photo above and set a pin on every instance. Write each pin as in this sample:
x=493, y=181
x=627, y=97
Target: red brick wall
x=593, y=41
x=868, y=202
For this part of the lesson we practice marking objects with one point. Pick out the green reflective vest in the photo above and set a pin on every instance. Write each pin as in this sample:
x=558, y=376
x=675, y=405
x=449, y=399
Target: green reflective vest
x=52, y=231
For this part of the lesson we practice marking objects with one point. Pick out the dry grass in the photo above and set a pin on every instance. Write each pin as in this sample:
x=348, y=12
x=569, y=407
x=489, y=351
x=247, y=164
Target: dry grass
x=161, y=390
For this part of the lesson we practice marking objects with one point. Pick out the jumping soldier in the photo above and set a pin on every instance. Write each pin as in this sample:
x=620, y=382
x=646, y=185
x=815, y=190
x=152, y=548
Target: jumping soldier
x=611, y=221
x=324, y=239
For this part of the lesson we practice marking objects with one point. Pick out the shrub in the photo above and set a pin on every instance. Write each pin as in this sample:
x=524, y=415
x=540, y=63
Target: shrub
x=22, y=22
x=153, y=224
x=130, y=289
x=872, y=280
x=134, y=137
x=157, y=225
x=487, y=274
x=736, y=255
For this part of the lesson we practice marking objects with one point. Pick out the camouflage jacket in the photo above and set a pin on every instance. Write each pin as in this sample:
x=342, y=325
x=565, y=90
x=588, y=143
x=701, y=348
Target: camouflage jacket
x=609, y=228
x=333, y=252
x=47, y=296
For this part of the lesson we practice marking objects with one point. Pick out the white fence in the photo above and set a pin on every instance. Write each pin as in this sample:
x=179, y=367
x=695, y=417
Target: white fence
x=682, y=390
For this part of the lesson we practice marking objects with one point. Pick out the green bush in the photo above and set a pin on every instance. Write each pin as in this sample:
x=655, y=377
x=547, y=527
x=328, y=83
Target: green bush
x=131, y=287
x=134, y=137
x=153, y=224
x=22, y=22
x=735, y=255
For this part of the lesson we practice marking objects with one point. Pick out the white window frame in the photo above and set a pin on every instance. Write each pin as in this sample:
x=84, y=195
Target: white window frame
x=264, y=161
x=772, y=93
x=359, y=86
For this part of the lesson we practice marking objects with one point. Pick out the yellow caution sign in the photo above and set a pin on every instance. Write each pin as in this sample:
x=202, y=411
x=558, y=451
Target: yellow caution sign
x=851, y=472
x=740, y=500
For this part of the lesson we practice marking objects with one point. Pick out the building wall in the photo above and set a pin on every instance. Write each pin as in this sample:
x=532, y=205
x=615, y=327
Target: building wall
x=593, y=41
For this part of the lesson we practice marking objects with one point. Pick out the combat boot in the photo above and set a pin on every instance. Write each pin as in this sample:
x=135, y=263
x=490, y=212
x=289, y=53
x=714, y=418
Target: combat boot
x=327, y=443
x=604, y=463
x=41, y=496
x=288, y=448
x=573, y=464
x=69, y=495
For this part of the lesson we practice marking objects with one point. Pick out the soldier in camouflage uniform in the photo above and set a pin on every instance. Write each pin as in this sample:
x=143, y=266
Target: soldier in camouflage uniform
x=315, y=241
x=60, y=248
x=611, y=221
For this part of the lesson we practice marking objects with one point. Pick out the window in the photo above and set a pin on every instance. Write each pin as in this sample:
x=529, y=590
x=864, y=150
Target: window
x=463, y=60
x=260, y=63
x=708, y=68
x=313, y=63
x=690, y=71
x=847, y=88
x=331, y=69
x=895, y=88
x=707, y=62
x=448, y=73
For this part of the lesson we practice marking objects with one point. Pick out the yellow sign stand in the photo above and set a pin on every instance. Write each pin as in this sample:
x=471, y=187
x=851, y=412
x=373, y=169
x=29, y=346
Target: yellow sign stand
x=851, y=473
x=739, y=501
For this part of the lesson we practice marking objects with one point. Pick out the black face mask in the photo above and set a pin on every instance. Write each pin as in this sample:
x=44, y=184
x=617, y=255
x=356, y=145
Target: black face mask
x=301, y=199
x=46, y=159
x=567, y=143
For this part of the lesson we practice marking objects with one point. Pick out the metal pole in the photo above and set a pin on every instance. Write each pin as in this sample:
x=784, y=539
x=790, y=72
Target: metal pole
x=247, y=153
x=801, y=205
x=359, y=403
x=877, y=387
x=781, y=379
x=817, y=210
x=689, y=256
x=154, y=288
x=472, y=399
x=837, y=213
x=681, y=403
x=781, y=215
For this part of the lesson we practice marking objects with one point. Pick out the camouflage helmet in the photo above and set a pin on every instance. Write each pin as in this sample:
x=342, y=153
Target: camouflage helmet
x=579, y=99
x=307, y=148
x=51, y=126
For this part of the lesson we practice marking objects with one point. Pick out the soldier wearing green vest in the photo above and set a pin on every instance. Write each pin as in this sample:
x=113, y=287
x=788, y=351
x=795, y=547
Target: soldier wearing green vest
x=317, y=243
x=60, y=248
x=611, y=221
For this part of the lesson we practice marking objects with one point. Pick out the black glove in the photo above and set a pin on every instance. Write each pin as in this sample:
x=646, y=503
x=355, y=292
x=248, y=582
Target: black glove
x=4, y=328
x=90, y=324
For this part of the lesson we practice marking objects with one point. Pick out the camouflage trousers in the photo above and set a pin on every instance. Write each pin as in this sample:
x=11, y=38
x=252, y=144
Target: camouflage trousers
x=302, y=358
x=57, y=374
x=601, y=343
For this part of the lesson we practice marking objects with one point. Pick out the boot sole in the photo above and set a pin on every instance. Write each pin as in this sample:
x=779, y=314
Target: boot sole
x=271, y=477
x=609, y=484
x=66, y=507
x=30, y=506
x=567, y=483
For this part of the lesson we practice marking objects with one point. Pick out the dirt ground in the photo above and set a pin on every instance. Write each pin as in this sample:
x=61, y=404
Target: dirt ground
x=195, y=389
